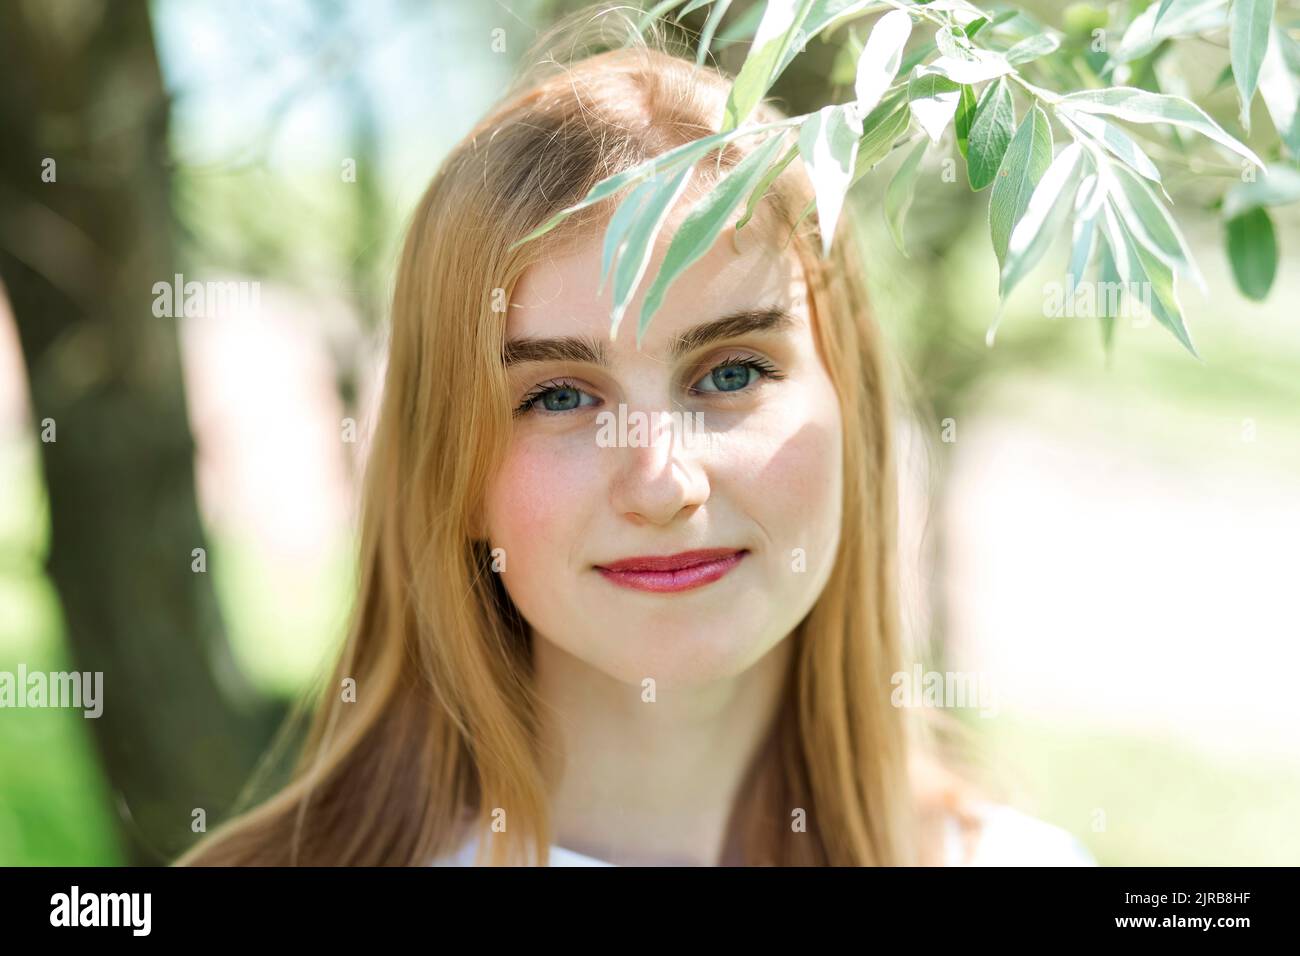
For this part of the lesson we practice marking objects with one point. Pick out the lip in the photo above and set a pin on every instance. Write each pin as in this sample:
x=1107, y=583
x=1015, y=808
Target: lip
x=673, y=572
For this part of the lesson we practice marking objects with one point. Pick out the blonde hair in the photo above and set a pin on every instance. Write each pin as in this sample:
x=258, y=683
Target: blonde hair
x=444, y=725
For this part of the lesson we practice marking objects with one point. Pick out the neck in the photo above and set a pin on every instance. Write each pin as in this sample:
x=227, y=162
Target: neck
x=642, y=783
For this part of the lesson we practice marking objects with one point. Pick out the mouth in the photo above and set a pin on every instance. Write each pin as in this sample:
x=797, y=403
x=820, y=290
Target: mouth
x=674, y=572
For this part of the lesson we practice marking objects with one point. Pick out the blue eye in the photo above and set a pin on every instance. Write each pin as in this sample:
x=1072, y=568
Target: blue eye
x=555, y=397
x=734, y=375
x=728, y=378
x=561, y=399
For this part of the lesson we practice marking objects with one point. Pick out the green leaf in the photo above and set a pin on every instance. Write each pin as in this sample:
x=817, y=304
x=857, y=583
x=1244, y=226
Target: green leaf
x=1148, y=220
x=1083, y=237
x=1252, y=250
x=691, y=7
x=898, y=196
x=965, y=113
x=881, y=131
x=976, y=67
x=743, y=26
x=623, y=219
x=1108, y=278
x=828, y=144
x=700, y=229
x=1279, y=87
x=952, y=41
x=1048, y=208
x=1032, y=48
x=1117, y=142
x=1015, y=23
x=1114, y=236
x=932, y=98
x=639, y=244
x=769, y=177
x=1164, y=300
x=777, y=32
x=963, y=12
x=1023, y=165
x=807, y=211
x=1143, y=106
x=710, y=28
x=1179, y=18
x=1141, y=268
x=990, y=133
x=880, y=59
x=821, y=15
x=1248, y=39
x=655, y=12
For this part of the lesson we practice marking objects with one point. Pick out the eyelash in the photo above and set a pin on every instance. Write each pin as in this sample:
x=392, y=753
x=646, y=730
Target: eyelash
x=765, y=369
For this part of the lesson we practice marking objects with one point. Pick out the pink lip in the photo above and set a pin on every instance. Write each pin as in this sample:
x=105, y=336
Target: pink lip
x=675, y=572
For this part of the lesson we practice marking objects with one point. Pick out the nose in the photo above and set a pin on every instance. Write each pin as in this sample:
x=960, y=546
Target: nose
x=660, y=474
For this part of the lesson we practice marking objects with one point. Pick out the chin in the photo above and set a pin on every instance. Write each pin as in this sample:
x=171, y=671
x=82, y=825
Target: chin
x=689, y=655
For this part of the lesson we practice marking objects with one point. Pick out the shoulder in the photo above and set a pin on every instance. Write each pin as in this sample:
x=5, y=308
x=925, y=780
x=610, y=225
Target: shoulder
x=1005, y=836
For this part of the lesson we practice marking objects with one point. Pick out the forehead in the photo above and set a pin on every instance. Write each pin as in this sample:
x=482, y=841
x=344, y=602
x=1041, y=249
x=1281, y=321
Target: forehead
x=559, y=295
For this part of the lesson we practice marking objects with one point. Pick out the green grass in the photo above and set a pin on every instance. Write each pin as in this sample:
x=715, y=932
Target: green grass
x=54, y=802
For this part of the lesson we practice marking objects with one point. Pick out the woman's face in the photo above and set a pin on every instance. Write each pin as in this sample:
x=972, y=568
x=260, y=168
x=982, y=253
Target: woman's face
x=748, y=467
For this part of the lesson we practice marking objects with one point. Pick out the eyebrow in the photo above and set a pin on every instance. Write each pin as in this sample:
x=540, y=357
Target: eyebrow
x=593, y=351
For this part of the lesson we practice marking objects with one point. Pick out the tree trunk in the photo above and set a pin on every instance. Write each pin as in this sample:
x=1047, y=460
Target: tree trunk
x=79, y=255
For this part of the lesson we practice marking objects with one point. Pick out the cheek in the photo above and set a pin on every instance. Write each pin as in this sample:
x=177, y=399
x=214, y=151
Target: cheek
x=805, y=482
x=790, y=470
x=537, y=503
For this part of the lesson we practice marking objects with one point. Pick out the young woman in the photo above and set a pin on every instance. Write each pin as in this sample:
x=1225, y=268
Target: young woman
x=586, y=644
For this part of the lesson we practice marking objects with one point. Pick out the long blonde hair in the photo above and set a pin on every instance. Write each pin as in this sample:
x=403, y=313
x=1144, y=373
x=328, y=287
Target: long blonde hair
x=443, y=728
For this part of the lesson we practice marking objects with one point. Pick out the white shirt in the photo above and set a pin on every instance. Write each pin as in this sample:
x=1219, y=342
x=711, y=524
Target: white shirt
x=1008, y=837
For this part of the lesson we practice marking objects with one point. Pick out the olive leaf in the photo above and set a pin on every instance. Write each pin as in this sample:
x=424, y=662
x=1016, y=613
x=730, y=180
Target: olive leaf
x=990, y=134
x=1026, y=159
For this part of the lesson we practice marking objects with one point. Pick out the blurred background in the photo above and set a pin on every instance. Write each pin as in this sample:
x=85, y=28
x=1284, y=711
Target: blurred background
x=1111, y=542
